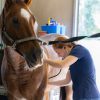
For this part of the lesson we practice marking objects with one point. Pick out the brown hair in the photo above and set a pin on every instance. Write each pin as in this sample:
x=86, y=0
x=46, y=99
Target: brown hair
x=62, y=45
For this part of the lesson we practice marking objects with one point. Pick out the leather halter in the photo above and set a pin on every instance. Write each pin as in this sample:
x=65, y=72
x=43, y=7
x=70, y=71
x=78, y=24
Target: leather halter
x=14, y=43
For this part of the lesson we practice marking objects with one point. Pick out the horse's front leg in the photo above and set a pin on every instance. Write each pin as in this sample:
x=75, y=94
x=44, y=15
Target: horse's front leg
x=41, y=90
x=13, y=89
x=15, y=96
x=40, y=93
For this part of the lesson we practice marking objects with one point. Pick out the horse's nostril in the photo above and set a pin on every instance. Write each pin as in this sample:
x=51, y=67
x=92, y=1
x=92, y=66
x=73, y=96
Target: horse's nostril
x=34, y=57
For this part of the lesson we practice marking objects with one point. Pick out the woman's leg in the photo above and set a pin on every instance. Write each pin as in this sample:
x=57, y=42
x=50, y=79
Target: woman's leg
x=69, y=92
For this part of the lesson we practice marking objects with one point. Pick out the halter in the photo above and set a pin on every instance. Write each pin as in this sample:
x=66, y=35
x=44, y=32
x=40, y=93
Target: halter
x=16, y=42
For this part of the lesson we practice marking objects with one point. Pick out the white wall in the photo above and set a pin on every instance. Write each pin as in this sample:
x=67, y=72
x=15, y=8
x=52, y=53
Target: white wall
x=60, y=10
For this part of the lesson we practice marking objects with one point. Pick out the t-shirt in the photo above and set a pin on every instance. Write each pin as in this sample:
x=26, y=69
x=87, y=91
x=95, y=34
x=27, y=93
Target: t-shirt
x=83, y=75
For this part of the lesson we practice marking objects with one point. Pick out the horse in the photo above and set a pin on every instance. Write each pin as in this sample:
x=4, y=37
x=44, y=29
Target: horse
x=25, y=77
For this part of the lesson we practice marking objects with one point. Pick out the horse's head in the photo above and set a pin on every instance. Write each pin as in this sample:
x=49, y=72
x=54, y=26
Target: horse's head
x=20, y=24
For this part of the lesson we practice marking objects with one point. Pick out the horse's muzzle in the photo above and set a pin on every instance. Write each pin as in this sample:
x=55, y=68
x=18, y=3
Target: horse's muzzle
x=34, y=58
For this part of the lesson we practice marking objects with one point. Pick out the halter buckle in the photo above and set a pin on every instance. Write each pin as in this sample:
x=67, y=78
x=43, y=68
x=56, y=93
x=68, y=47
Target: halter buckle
x=14, y=45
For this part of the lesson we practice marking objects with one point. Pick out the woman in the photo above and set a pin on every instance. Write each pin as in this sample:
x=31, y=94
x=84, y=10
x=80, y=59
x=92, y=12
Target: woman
x=82, y=70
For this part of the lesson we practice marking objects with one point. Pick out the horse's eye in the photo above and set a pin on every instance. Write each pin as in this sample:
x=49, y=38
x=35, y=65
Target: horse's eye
x=15, y=20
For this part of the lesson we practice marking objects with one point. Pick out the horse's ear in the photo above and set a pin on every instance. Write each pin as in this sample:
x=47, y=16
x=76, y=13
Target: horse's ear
x=28, y=2
x=8, y=3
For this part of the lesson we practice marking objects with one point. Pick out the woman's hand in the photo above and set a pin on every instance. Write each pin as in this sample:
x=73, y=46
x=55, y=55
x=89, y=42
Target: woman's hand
x=54, y=63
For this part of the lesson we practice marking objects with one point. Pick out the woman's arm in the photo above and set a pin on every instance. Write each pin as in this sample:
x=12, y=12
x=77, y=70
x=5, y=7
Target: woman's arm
x=69, y=60
x=61, y=83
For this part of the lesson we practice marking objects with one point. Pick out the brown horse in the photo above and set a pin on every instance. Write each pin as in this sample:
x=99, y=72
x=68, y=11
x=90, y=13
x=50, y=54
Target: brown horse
x=23, y=72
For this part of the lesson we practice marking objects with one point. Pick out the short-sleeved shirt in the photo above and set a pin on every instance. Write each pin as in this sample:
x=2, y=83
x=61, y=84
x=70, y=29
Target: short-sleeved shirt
x=83, y=75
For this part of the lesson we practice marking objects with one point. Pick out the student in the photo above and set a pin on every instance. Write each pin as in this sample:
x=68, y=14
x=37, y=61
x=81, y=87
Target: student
x=82, y=70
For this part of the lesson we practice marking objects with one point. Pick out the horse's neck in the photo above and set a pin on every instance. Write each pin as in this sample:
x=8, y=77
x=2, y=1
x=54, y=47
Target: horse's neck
x=50, y=53
x=45, y=52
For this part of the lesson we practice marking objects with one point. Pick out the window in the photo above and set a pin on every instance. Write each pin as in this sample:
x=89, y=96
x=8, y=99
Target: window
x=87, y=22
x=89, y=17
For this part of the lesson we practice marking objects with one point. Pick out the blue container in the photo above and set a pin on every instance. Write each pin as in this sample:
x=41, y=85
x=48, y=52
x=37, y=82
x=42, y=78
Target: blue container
x=50, y=29
x=62, y=29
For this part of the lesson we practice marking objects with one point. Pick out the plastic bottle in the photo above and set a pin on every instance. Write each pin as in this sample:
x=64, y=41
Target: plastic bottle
x=49, y=21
